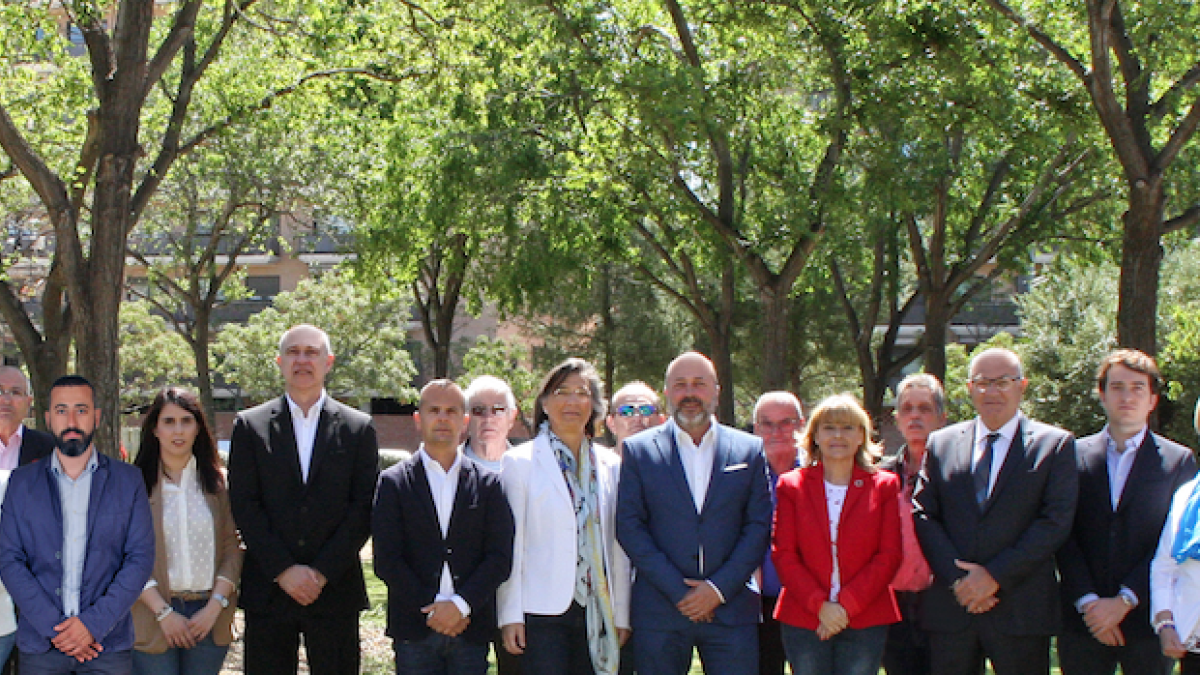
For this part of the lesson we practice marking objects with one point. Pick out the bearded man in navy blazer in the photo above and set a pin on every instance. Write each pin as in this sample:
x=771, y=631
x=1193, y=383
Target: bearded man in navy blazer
x=694, y=517
x=1127, y=476
x=302, y=472
x=992, y=506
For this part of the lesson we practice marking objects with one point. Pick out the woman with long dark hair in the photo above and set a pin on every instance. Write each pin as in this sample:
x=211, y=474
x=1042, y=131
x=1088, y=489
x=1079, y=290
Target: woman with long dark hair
x=183, y=618
x=566, y=604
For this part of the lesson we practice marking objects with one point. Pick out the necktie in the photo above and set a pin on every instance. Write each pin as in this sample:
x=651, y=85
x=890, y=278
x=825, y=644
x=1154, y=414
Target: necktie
x=983, y=470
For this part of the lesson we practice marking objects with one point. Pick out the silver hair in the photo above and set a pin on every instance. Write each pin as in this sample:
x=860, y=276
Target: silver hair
x=997, y=350
x=491, y=385
x=923, y=381
x=778, y=397
x=306, y=326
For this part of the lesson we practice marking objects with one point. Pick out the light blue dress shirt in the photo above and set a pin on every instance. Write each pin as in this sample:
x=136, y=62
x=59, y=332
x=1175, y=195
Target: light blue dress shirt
x=73, y=496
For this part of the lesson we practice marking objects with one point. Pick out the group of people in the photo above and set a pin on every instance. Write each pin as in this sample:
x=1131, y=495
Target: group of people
x=791, y=545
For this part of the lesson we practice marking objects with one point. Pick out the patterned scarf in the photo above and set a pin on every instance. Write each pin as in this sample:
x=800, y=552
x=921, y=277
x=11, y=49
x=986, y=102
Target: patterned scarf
x=591, y=576
x=1187, y=537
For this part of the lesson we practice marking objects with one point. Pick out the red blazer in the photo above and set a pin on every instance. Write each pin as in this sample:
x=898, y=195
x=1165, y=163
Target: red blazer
x=869, y=550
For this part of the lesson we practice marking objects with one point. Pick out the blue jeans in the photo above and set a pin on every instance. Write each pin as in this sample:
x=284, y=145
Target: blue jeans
x=7, y=642
x=55, y=662
x=439, y=654
x=850, y=652
x=205, y=658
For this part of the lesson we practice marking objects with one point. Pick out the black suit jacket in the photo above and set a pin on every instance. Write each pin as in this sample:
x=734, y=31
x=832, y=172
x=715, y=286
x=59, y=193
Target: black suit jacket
x=1014, y=534
x=1109, y=549
x=284, y=521
x=410, y=550
x=35, y=445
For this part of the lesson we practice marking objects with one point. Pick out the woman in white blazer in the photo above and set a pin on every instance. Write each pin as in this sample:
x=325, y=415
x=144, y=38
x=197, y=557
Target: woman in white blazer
x=1175, y=581
x=566, y=605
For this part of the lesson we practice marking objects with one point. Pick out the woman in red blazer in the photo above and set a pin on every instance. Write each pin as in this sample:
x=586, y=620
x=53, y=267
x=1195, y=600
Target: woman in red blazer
x=836, y=546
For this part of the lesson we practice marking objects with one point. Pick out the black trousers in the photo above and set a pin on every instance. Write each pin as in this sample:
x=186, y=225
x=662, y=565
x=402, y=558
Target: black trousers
x=771, y=657
x=907, y=649
x=1082, y=654
x=963, y=652
x=330, y=643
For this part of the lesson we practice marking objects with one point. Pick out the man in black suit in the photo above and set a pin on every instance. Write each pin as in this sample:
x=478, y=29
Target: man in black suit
x=19, y=445
x=1127, y=476
x=443, y=544
x=302, y=472
x=993, y=504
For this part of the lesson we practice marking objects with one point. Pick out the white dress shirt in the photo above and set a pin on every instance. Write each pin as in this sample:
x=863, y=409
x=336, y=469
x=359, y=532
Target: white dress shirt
x=999, y=449
x=304, y=427
x=10, y=449
x=1120, y=462
x=697, y=459
x=835, y=499
x=443, y=485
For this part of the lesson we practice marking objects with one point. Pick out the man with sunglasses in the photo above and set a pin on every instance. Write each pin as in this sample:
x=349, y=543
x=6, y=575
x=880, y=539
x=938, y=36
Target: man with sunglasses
x=993, y=504
x=493, y=410
x=778, y=420
x=634, y=408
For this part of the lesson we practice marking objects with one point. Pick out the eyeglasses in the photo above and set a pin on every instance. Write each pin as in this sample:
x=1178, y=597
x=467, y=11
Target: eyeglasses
x=1000, y=384
x=14, y=393
x=489, y=410
x=644, y=410
x=788, y=423
x=563, y=392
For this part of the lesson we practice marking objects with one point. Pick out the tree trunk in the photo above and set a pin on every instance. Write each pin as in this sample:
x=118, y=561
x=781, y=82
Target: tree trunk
x=776, y=313
x=200, y=342
x=1141, y=259
x=936, y=325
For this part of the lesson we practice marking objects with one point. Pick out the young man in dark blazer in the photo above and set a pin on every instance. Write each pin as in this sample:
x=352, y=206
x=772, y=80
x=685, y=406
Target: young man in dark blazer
x=993, y=505
x=302, y=472
x=1127, y=476
x=443, y=544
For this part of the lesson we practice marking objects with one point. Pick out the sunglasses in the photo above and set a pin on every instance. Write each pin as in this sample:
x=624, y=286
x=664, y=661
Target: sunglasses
x=636, y=410
x=489, y=410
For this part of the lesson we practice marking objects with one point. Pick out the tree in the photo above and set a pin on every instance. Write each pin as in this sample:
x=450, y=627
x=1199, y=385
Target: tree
x=1136, y=62
x=367, y=331
x=95, y=138
x=729, y=120
x=153, y=356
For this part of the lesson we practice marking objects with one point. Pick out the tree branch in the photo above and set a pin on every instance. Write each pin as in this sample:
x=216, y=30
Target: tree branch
x=1187, y=219
x=1179, y=138
x=1162, y=106
x=1041, y=37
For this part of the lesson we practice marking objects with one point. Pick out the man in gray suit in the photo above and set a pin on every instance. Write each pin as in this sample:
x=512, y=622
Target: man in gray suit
x=994, y=503
x=694, y=516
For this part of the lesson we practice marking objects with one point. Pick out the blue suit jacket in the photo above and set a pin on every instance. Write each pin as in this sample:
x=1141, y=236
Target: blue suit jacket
x=119, y=559
x=667, y=540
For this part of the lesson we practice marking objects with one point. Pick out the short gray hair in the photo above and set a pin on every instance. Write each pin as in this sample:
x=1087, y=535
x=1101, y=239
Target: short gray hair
x=997, y=350
x=491, y=385
x=779, y=397
x=927, y=382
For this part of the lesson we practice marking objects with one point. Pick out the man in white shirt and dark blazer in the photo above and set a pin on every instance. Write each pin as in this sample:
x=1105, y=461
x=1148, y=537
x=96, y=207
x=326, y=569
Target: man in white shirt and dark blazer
x=993, y=504
x=1127, y=477
x=694, y=516
x=302, y=472
x=443, y=538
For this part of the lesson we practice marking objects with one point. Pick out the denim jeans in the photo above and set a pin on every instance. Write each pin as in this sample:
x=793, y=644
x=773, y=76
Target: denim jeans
x=7, y=642
x=439, y=654
x=55, y=662
x=850, y=652
x=205, y=658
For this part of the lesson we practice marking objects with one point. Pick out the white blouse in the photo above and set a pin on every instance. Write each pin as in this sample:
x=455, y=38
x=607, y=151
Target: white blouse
x=835, y=499
x=1175, y=587
x=188, y=529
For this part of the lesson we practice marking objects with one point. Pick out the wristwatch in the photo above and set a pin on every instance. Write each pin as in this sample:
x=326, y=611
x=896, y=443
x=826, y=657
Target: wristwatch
x=221, y=600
